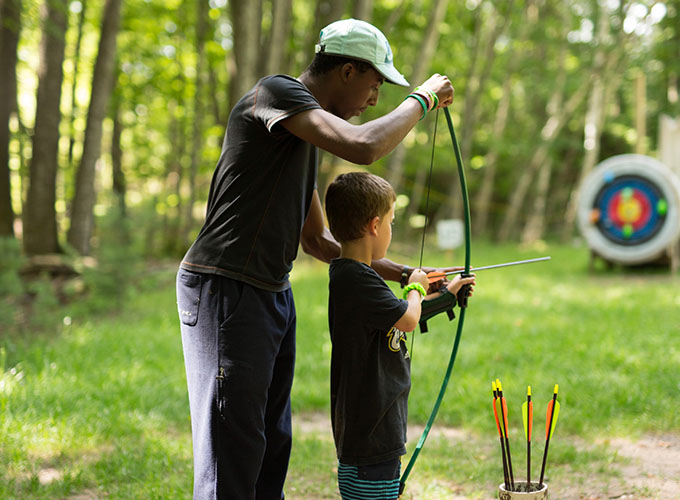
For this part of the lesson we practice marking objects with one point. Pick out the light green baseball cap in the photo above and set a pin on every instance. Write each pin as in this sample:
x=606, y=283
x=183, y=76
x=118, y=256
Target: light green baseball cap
x=360, y=40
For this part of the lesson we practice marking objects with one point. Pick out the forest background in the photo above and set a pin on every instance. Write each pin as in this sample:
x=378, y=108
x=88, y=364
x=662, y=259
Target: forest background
x=118, y=109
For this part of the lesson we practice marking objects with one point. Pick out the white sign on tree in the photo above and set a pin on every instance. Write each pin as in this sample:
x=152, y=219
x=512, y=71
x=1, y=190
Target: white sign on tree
x=450, y=234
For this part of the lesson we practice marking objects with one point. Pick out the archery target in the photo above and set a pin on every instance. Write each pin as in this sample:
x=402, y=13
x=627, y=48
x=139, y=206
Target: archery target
x=629, y=209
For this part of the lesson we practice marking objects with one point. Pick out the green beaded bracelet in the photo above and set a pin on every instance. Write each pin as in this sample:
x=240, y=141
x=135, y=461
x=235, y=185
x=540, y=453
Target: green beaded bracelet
x=414, y=286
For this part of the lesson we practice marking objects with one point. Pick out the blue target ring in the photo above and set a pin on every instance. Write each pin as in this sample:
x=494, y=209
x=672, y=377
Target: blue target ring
x=630, y=210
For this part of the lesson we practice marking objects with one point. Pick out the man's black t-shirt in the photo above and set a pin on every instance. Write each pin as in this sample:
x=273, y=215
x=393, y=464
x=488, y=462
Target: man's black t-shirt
x=370, y=365
x=261, y=190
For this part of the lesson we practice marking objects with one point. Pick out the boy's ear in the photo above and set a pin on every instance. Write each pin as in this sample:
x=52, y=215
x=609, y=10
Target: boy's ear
x=372, y=226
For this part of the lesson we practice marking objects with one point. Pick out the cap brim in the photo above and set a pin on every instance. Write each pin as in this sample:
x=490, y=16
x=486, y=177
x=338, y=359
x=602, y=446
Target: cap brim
x=392, y=75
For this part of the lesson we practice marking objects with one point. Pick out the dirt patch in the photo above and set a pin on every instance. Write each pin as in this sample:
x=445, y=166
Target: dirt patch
x=653, y=467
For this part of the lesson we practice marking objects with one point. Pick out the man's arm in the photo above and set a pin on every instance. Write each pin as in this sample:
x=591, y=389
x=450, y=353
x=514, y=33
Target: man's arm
x=362, y=144
x=316, y=239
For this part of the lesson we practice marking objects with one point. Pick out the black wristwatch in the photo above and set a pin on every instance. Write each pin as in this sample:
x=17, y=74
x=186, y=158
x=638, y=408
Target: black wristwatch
x=405, y=274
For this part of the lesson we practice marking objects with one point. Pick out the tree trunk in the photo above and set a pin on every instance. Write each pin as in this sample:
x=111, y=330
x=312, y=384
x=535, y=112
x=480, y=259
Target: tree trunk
x=485, y=193
x=40, y=218
x=197, y=125
x=326, y=12
x=82, y=210
x=535, y=225
x=246, y=23
x=119, y=184
x=476, y=84
x=74, y=87
x=558, y=114
x=395, y=165
x=363, y=9
x=10, y=27
x=280, y=31
x=606, y=80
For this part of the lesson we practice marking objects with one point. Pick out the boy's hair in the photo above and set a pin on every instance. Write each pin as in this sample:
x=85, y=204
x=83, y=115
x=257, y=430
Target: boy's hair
x=323, y=63
x=353, y=199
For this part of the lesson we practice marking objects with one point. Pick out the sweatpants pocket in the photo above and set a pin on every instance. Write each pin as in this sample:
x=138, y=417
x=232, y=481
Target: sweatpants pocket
x=189, y=287
x=234, y=390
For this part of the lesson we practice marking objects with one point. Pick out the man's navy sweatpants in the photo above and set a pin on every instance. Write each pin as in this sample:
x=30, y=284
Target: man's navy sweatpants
x=239, y=353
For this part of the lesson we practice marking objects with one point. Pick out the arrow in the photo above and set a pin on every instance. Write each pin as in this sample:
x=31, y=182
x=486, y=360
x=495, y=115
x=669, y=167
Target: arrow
x=551, y=421
x=436, y=276
x=500, y=435
x=527, y=418
x=504, y=419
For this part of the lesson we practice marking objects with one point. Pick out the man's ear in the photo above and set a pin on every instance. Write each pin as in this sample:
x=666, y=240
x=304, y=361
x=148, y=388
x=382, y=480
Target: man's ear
x=346, y=71
x=372, y=226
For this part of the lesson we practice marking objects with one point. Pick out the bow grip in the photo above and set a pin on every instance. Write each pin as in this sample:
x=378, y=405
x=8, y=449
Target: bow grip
x=464, y=292
x=430, y=308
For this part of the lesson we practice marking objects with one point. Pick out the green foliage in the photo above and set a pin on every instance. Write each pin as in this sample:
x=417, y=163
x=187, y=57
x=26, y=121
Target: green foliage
x=109, y=282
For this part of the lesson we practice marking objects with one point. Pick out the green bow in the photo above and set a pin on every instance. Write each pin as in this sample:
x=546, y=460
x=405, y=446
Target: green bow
x=462, y=303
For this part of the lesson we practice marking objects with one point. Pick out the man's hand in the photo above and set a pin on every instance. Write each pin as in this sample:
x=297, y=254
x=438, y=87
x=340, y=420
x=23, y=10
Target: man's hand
x=441, y=86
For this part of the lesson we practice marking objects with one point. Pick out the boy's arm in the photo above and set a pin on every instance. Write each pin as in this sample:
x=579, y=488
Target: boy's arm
x=409, y=320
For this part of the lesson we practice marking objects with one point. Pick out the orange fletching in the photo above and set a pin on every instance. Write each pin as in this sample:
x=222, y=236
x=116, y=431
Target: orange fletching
x=547, y=419
x=531, y=417
x=435, y=276
x=505, y=411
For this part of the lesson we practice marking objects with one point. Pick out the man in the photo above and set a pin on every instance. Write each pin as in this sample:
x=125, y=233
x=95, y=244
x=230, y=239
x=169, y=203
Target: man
x=234, y=299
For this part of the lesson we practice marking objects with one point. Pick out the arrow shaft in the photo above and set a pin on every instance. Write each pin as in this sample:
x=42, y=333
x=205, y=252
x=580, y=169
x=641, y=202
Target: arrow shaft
x=547, y=439
x=434, y=276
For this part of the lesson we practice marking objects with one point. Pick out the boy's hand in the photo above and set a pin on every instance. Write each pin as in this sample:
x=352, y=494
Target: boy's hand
x=457, y=283
x=419, y=276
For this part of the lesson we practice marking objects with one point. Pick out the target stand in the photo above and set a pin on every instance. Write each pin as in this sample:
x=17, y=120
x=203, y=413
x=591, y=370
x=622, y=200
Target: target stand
x=629, y=212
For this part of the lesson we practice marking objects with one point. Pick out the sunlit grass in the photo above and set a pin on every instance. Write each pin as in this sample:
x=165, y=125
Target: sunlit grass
x=100, y=406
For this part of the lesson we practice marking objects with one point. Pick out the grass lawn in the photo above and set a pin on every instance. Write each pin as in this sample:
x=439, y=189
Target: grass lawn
x=99, y=408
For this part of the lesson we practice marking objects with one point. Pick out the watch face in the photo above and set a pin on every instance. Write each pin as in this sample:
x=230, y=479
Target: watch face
x=629, y=210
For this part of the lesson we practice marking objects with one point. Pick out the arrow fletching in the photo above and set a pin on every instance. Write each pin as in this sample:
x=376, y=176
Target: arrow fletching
x=554, y=410
x=554, y=422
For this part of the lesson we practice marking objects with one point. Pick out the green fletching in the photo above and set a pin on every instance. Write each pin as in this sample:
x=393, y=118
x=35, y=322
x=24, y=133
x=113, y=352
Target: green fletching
x=525, y=419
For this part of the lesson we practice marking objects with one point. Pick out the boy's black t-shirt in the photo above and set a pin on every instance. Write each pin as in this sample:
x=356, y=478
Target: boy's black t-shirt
x=370, y=365
x=261, y=190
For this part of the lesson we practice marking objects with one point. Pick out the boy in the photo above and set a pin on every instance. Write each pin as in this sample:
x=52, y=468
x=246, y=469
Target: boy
x=370, y=365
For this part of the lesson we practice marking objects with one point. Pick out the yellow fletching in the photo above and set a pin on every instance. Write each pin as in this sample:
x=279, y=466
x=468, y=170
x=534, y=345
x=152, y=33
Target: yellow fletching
x=555, y=415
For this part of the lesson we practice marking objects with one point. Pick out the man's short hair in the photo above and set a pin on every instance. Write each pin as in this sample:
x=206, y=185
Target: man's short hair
x=353, y=199
x=323, y=63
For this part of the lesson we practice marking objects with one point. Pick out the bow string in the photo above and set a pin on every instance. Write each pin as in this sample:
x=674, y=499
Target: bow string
x=461, y=296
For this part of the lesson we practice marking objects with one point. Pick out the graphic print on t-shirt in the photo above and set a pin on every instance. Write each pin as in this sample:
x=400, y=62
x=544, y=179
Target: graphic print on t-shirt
x=395, y=338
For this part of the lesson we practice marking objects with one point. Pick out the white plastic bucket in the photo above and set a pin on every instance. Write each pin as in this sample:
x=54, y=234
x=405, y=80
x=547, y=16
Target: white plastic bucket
x=541, y=494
